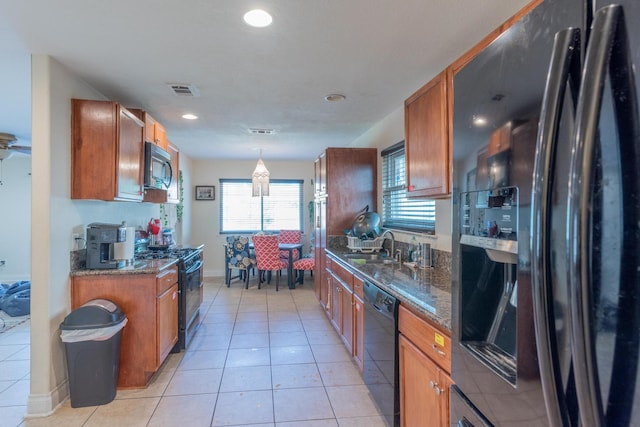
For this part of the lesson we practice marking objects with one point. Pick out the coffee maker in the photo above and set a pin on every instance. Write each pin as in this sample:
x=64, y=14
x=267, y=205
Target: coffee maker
x=101, y=240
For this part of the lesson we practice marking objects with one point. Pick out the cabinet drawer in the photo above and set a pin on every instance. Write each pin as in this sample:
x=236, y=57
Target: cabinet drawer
x=431, y=340
x=343, y=274
x=166, y=279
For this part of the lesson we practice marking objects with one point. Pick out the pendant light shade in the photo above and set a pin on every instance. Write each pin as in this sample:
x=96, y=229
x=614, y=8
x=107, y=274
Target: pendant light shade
x=260, y=179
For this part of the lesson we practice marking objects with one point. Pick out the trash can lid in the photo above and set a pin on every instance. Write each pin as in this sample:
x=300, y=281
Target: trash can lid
x=97, y=313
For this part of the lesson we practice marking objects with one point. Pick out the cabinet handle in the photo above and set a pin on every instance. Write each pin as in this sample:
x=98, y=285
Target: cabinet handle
x=435, y=387
x=437, y=350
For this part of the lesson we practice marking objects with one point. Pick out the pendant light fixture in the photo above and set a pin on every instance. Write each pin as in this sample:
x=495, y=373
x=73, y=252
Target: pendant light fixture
x=260, y=179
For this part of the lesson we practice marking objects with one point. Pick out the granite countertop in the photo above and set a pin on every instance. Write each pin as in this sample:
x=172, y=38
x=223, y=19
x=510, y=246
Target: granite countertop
x=427, y=291
x=151, y=266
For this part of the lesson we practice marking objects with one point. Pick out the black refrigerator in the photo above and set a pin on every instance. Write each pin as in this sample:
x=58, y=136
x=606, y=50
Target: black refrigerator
x=546, y=222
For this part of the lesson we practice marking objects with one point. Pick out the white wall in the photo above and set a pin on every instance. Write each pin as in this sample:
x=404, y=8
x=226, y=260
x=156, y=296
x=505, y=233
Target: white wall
x=15, y=214
x=54, y=218
x=384, y=134
x=206, y=214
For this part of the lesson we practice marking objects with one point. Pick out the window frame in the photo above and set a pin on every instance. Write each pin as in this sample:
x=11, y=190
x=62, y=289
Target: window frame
x=223, y=181
x=397, y=191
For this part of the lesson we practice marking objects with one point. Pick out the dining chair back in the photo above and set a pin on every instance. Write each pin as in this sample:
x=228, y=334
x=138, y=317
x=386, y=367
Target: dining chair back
x=289, y=236
x=238, y=256
x=268, y=257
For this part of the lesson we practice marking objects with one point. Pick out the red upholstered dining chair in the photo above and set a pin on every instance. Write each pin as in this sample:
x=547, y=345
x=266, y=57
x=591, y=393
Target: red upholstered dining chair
x=301, y=265
x=268, y=257
x=289, y=236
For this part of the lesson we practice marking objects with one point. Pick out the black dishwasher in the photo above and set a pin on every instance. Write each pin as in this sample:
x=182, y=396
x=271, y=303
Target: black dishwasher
x=381, y=351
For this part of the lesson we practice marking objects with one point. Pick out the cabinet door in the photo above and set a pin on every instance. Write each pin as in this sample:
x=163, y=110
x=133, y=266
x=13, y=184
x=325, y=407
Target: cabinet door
x=149, y=125
x=444, y=384
x=319, y=245
x=521, y=171
x=161, y=136
x=322, y=174
x=346, y=308
x=93, y=142
x=500, y=140
x=427, y=140
x=358, y=331
x=420, y=395
x=167, y=321
x=173, y=192
x=336, y=303
x=130, y=155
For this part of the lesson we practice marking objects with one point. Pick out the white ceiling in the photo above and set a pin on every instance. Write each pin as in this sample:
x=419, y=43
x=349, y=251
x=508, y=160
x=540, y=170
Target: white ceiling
x=375, y=52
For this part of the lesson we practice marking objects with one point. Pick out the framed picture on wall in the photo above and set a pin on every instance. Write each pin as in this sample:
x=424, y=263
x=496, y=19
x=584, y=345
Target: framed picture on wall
x=205, y=192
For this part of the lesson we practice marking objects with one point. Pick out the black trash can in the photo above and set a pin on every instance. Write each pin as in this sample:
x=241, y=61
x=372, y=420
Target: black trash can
x=91, y=334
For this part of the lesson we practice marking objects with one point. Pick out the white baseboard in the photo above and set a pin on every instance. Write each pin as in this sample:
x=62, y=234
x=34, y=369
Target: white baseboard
x=43, y=405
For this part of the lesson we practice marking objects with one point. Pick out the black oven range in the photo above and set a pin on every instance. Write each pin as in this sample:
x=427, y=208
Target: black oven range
x=190, y=282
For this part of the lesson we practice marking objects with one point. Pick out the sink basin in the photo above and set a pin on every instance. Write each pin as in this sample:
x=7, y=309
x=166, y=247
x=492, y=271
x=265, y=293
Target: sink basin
x=368, y=257
x=138, y=265
x=376, y=258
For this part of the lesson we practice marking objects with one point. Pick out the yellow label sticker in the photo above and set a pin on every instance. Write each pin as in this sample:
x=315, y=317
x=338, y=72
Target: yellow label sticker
x=439, y=339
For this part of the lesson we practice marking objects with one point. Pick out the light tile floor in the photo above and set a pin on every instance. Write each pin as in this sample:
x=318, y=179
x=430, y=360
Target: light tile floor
x=260, y=358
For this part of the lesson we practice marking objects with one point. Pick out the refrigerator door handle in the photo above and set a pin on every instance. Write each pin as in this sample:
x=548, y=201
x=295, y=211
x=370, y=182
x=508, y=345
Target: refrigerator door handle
x=564, y=68
x=608, y=49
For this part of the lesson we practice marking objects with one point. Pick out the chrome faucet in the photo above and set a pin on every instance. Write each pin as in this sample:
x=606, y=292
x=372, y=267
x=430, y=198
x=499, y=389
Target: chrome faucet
x=393, y=240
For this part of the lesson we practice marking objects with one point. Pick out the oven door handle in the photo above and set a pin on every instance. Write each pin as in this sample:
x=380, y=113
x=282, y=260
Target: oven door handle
x=195, y=267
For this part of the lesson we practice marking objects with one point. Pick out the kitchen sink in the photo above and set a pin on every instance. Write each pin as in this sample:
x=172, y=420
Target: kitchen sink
x=375, y=258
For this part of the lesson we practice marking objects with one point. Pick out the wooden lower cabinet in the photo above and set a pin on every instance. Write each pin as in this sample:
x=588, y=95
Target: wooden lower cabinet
x=150, y=303
x=424, y=358
x=358, y=331
x=424, y=388
x=167, y=320
x=345, y=307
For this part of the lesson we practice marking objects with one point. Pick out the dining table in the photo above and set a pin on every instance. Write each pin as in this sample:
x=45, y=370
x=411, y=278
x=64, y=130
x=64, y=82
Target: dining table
x=289, y=247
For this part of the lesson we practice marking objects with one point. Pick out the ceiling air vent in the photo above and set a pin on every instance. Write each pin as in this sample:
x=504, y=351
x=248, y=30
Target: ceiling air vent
x=184, y=89
x=261, y=131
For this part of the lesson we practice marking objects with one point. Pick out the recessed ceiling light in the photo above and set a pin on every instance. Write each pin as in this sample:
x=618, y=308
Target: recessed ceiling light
x=479, y=121
x=261, y=131
x=335, y=97
x=258, y=18
x=189, y=116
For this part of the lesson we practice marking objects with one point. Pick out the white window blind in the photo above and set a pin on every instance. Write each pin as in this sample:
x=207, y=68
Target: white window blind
x=242, y=213
x=398, y=210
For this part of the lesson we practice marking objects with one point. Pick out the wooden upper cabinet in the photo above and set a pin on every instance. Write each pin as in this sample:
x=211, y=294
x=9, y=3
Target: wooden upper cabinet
x=500, y=140
x=427, y=147
x=106, y=151
x=160, y=136
x=173, y=192
x=153, y=130
x=351, y=177
x=320, y=174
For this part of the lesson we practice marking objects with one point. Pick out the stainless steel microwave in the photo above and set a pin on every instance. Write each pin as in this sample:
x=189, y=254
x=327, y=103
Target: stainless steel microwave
x=157, y=167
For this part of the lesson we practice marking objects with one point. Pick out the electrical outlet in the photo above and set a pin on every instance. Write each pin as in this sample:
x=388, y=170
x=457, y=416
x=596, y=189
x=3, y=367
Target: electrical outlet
x=75, y=240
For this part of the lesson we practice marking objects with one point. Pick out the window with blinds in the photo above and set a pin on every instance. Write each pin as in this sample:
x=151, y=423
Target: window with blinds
x=243, y=214
x=398, y=210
